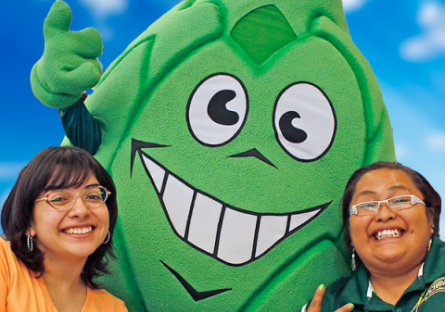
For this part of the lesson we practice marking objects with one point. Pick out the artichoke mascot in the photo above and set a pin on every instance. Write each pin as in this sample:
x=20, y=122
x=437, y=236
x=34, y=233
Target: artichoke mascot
x=230, y=128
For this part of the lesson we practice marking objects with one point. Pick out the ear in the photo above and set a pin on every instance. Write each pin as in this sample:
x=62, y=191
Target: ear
x=31, y=231
x=431, y=219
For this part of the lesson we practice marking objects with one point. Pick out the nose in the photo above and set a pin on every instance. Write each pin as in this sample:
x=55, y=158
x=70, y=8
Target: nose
x=254, y=153
x=79, y=209
x=385, y=213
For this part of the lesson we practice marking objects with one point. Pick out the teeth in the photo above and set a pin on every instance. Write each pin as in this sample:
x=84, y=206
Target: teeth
x=203, y=234
x=388, y=233
x=79, y=230
x=229, y=234
x=237, y=236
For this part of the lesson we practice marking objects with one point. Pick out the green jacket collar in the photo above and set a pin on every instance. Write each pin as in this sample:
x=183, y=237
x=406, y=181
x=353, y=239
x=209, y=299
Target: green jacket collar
x=356, y=289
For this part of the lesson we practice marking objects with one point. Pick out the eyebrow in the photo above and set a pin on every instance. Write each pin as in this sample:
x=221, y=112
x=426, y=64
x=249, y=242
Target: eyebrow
x=94, y=184
x=65, y=188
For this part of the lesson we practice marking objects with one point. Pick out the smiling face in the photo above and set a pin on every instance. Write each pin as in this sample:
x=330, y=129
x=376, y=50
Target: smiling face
x=242, y=128
x=75, y=233
x=390, y=241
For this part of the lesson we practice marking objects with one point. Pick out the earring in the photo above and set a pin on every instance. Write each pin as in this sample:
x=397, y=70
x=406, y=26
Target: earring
x=353, y=265
x=431, y=239
x=108, y=238
x=30, y=243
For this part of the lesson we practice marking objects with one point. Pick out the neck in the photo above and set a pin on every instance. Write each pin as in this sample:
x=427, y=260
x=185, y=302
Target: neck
x=390, y=288
x=65, y=286
x=63, y=276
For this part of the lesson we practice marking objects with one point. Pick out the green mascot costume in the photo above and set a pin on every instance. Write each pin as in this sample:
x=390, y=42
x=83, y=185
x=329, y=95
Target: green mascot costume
x=230, y=128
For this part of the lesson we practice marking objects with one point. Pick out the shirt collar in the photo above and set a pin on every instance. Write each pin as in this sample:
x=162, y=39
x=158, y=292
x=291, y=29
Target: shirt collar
x=357, y=288
x=371, y=288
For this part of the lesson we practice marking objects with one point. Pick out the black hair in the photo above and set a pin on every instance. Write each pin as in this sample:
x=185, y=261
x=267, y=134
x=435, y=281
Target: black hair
x=56, y=168
x=431, y=197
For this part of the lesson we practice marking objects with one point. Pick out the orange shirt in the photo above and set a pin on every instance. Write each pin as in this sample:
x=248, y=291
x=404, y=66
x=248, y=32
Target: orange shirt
x=20, y=291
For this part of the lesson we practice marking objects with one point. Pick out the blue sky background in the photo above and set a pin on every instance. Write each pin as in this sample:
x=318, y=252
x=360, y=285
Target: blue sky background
x=404, y=40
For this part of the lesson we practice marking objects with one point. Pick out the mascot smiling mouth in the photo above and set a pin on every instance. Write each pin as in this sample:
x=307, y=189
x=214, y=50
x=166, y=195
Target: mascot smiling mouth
x=231, y=235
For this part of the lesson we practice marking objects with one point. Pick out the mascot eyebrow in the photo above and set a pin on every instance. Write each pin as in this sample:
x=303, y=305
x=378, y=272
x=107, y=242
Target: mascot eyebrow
x=230, y=128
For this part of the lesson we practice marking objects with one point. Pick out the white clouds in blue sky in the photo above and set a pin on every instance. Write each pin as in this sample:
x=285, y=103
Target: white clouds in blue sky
x=10, y=170
x=353, y=5
x=103, y=9
x=419, y=142
x=435, y=142
x=431, y=42
x=402, y=150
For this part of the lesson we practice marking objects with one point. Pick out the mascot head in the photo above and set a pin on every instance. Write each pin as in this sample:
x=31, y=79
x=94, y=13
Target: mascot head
x=230, y=128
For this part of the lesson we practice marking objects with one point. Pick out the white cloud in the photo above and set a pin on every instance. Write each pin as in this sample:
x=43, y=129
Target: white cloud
x=10, y=170
x=431, y=43
x=103, y=8
x=353, y=5
x=436, y=142
x=402, y=151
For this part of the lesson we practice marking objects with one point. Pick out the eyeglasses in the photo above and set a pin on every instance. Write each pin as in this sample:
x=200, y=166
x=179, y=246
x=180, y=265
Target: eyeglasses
x=63, y=200
x=395, y=203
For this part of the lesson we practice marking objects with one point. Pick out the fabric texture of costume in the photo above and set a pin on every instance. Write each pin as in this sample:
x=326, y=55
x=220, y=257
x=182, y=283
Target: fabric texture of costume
x=20, y=290
x=426, y=293
x=230, y=128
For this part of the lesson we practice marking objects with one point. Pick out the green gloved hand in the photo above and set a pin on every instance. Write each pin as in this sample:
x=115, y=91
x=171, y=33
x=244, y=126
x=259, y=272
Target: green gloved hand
x=69, y=64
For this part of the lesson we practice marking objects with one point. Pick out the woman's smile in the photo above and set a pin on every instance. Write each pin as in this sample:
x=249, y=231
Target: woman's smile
x=397, y=237
x=387, y=233
x=80, y=229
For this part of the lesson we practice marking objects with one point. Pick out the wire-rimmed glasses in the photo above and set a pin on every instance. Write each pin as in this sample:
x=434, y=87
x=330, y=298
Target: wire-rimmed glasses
x=395, y=203
x=93, y=196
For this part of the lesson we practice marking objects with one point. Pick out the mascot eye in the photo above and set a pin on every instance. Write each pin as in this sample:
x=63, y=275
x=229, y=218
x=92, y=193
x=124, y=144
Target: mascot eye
x=304, y=122
x=217, y=110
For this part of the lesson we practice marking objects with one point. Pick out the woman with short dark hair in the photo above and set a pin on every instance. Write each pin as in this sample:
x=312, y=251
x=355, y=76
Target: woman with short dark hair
x=391, y=217
x=59, y=221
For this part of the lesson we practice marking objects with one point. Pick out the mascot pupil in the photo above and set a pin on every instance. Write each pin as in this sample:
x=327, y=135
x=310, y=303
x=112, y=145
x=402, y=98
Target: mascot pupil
x=230, y=129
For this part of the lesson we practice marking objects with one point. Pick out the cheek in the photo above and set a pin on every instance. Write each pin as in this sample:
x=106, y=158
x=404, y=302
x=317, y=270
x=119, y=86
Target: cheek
x=105, y=218
x=357, y=230
x=45, y=222
x=417, y=220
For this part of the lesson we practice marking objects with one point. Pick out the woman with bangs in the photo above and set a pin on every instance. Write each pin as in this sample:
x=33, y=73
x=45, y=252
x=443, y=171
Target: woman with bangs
x=59, y=221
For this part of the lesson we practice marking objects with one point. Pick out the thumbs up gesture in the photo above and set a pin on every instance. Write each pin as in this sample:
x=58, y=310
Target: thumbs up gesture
x=69, y=64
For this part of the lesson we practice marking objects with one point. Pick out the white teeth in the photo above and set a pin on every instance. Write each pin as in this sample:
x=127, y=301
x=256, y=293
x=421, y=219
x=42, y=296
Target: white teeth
x=388, y=233
x=204, y=223
x=231, y=235
x=272, y=229
x=156, y=172
x=177, y=199
x=79, y=230
x=237, y=237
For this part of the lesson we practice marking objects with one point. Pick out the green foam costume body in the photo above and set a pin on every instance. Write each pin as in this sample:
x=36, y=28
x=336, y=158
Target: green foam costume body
x=230, y=128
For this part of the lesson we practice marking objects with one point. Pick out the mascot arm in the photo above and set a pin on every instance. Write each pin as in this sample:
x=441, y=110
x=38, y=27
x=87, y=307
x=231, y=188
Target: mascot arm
x=80, y=126
x=68, y=67
x=69, y=64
